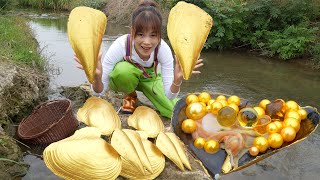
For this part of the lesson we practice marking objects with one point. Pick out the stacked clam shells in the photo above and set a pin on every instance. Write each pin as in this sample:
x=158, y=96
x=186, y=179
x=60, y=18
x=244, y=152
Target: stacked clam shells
x=140, y=158
x=82, y=156
x=130, y=154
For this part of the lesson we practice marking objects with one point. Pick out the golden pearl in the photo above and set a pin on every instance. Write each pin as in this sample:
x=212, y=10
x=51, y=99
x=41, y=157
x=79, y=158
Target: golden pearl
x=215, y=107
x=263, y=103
x=223, y=102
x=199, y=142
x=211, y=146
x=226, y=116
x=195, y=111
x=235, y=107
x=221, y=97
x=234, y=100
x=204, y=97
x=254, y=151
x=260, y=111
x=272, y=128
x=279, y=125
x=288, y=134
x=192, y=98
x=293, y=114
x=275, y=140
x=291, y=106
x=210, y=102
x=303, y=114
x=261, y=143
x=188, y=126
x=208, y=108
x=292, y=122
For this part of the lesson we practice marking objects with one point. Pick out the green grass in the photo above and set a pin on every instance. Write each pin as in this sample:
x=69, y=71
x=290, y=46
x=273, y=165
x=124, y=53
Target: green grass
x=62, y=4
x=17, y=42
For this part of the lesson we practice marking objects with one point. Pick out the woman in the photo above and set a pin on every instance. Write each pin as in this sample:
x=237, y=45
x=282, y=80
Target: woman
x=131, y=62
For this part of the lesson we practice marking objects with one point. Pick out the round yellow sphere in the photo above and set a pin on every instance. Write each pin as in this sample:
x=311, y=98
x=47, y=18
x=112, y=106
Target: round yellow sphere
x=261, y=143
x=291, y=106
x=303, y=114
x=199, y=142
x=195, y=111
x=188, y=126
x=208, y=108
x=234, y=100
x=278, y=124
x=192, y=98
x=221, y=97
x=288, y=134
x=260, y=111
x=293, y=114
x=223, y=102
x=263, y=103
x=254, y=151
x=210, y=101
x=272, y=128
x=275, y=140
x=204, y=97
x=235, y=107
x=215, y=107
x=211, y=146
x=203, y=104
x=292, y=122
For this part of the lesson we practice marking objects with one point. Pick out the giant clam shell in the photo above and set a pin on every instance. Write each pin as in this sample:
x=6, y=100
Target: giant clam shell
x=99, y=113
x=86, y=27
x=83, y=156
x=214, y=162
x=188, y=29
x=147, y=120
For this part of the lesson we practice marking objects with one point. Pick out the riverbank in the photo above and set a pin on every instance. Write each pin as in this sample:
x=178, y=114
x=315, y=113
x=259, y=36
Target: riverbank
x=23, y=84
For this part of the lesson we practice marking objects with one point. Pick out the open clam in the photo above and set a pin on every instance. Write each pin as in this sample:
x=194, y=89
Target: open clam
x=220, y=162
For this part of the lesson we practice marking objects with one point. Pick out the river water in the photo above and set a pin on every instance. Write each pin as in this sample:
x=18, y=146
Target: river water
x=250, y=77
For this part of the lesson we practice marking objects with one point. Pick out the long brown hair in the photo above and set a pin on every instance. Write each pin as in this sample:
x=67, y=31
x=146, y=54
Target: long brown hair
x=146, y=16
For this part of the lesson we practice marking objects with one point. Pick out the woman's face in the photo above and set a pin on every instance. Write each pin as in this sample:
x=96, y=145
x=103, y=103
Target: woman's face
x=145, y=42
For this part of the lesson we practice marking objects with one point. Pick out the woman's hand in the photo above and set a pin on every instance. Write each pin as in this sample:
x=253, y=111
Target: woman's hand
x=98, y=73
x=178, y=74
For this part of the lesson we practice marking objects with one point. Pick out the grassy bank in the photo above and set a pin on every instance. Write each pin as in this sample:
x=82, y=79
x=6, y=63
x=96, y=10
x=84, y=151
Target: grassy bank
x=61, y=4
x=17, y=42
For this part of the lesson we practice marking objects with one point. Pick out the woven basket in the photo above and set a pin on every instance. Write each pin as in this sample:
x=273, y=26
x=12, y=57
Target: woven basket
x=49, y=122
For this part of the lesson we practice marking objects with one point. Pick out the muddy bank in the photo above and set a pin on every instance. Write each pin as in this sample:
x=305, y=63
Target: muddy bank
x=21, y=89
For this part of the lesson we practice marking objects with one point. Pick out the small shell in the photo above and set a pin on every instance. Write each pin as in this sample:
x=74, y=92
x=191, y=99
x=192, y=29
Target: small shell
x=99, y=113
x=180, y=149
x=146, y=119
x=124, y=146
x=167, y=147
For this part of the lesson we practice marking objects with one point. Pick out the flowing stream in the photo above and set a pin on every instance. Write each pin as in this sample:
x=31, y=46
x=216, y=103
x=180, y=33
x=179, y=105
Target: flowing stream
x=249, y=77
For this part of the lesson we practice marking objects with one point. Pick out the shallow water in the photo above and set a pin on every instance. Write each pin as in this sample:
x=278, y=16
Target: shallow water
x=252, y=78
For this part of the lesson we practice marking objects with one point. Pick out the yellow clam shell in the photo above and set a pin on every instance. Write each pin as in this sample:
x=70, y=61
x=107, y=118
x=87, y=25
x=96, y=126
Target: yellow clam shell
x=147, y=120
x=166, y=146
x=83, y=156
x=99, y=113
x=188, y=29
x=126, y=148
x=157, y=161
x=86, y=27
x=180, y=149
